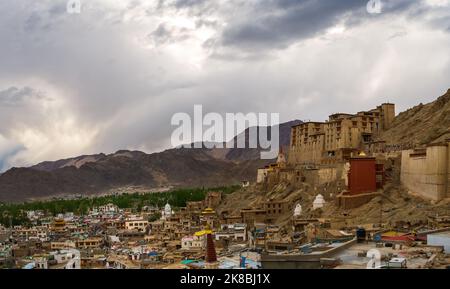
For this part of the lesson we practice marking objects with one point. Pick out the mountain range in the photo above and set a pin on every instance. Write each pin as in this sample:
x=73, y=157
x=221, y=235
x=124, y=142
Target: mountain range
x=103, y=173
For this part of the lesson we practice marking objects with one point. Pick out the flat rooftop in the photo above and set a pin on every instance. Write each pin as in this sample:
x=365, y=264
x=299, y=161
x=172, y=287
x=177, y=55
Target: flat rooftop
x=445, y=234
x=416, y=257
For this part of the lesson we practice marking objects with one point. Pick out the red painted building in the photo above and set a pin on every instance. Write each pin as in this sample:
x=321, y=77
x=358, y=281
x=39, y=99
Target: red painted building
x=362, y=177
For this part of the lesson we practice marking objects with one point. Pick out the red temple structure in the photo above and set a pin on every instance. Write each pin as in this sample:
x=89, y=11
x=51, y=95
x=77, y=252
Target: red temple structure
x=365, y=177
x=362, y=177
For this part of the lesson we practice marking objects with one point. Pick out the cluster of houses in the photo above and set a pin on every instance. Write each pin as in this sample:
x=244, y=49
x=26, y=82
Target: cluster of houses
x=110, y=237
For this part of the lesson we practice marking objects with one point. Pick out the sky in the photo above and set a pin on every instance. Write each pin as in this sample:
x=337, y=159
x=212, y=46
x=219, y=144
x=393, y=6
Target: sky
x=112, y=76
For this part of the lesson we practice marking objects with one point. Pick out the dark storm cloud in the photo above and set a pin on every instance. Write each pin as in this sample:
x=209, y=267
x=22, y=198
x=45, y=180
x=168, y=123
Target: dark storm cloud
x=161, y=35
x=273, y=23
x=198, y=8
x=189, y=3
x=281, y=22
x=441, y=23
x=165, y=34
x=44, y=18
x=14, y=96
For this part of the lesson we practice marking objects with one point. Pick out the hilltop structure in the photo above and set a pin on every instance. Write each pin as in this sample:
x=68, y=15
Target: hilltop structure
x=338, y=138
x=320, y=151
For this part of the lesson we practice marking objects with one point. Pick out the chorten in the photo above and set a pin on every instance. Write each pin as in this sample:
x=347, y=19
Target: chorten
x=298, y=210
x=210, y=256
x=319, y=202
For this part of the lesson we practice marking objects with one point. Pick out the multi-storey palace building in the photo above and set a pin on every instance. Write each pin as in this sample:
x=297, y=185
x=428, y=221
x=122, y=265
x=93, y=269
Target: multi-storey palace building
x=336, y=139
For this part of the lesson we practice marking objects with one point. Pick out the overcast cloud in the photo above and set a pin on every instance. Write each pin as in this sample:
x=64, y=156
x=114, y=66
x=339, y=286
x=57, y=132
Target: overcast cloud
x=111, y=77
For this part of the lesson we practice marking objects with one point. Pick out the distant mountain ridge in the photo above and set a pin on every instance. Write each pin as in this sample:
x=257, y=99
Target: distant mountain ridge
x=99, y=173
x=76, y=161
x=236, y=154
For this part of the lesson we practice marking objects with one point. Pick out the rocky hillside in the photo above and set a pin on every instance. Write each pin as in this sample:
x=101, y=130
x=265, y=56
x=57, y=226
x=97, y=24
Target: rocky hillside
x=76, y=162
x=235, y=154
x=422, y=124
x=101, y=173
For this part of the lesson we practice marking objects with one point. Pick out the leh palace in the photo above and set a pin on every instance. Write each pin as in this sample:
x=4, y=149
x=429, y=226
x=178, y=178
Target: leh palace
x=348, y=150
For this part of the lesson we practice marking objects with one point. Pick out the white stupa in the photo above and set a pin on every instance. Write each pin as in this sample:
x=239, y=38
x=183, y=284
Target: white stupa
x=298, y=210
x=319, y=202
x=167, y=212
x=167, y=209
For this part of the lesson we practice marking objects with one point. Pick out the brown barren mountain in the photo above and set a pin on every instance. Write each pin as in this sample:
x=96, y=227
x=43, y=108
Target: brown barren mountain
x=101, y=173
x=422, y=124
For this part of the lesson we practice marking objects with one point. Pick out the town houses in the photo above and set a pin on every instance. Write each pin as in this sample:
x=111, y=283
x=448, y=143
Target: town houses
x=118, y=238
x=302, y=212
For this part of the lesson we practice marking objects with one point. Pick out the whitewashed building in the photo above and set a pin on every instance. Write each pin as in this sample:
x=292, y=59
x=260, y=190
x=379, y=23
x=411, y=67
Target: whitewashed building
x=440, y=239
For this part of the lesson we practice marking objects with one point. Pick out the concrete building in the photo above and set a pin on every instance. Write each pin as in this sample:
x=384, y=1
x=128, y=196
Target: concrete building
x=276, y=208
x=426, y=172
x=194, y=206
x=440, y=239
x=67, y=244
x=89, y=243
x=40, y=262
x=193, y=243
x=235, y=232
x=108, y=208
x=338, y=138
x=273, y=173
x=212, y=200
x=65, y=259
x=251, y=216
x=261, y=175
x=350, y=255
x=139, y=225
x=34, y=233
